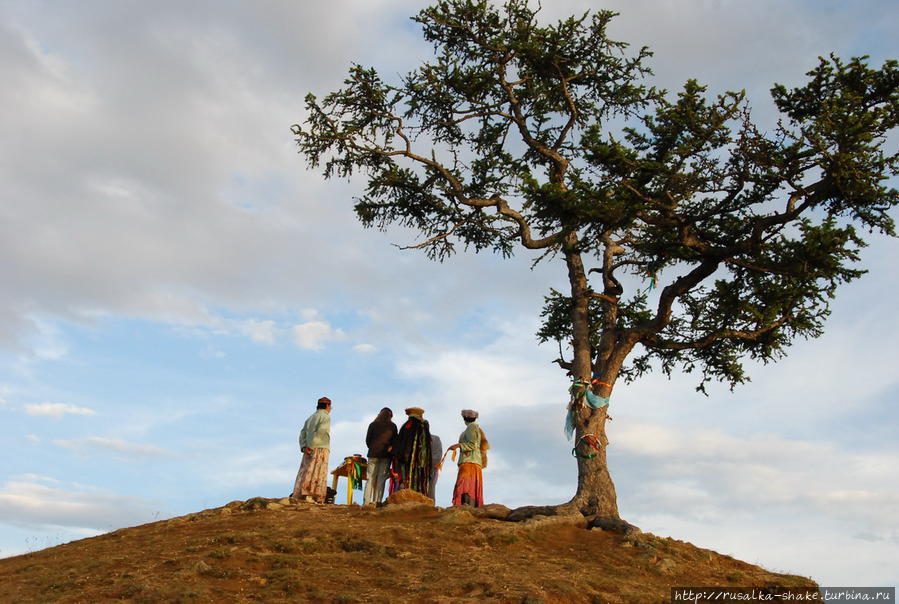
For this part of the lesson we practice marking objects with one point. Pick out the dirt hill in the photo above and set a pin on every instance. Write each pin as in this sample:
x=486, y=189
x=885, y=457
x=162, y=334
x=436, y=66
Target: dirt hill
x=282, y=550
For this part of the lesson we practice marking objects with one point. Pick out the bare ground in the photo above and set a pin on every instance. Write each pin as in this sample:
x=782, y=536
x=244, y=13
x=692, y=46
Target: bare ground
x=265, y=551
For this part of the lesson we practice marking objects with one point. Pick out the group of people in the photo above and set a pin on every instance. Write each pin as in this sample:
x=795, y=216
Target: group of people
x=408, y=457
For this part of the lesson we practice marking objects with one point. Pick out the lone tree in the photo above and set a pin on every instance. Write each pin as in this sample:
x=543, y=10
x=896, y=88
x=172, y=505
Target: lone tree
x=542, y=136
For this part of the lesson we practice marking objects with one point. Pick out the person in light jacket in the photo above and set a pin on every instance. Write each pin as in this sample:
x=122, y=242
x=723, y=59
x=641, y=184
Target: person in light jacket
x=436, y=456
x=311, y=484
x=473, y=445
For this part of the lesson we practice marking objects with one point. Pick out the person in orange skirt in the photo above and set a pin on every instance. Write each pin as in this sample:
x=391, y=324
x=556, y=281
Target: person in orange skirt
x=473, y=447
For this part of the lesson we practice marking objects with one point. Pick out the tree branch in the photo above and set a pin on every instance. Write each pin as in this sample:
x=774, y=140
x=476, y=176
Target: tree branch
x=559, y=162
x=572, y=109
x=609, y=299
x=432, y=240
x=672, y=292
x=524, y=229
x=708, y=340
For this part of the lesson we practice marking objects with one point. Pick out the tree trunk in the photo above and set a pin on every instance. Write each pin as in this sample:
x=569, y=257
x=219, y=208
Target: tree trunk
x=595, y=494
x=595, y=491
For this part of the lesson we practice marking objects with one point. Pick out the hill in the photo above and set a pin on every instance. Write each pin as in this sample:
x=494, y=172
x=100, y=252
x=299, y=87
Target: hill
x=282, y=550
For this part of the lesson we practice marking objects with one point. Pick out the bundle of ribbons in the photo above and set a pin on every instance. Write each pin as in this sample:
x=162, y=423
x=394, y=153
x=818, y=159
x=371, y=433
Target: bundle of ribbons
x=582, y=394
x=354, y=472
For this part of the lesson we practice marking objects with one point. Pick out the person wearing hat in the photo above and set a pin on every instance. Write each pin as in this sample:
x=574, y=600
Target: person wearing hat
x=412, y=454
x=311, y=484
x=473, y=445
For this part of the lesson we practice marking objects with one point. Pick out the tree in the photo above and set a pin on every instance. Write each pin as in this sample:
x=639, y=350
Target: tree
x=522, y=134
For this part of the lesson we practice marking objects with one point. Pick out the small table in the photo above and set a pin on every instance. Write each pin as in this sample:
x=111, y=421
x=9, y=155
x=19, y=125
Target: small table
x=349, y=468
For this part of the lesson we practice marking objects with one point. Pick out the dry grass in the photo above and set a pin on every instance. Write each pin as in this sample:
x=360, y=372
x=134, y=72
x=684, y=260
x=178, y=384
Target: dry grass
x=342, y=554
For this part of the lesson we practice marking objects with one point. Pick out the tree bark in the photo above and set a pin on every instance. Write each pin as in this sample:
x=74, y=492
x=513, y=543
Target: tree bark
x=595, y=494
x=595, y=491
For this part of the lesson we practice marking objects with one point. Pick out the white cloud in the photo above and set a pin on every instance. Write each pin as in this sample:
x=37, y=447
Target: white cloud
x=313, y=335
x=276, y=465
x=33, y=438
x=508, y=372
x=263, y=331
x=46, y=342
x=364, y=348
x=128, y=449
x=39, y=478
x=705, y=473
x=31, y=504
x=57, y=409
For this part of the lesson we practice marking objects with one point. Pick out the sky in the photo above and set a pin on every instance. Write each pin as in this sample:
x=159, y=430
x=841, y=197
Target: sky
x=177, y=289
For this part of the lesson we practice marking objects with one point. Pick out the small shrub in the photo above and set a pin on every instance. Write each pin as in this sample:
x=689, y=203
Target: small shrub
x=391, y=552
x=354, y=544
x=285, y=579
x=282, y=548
x=278, y=562
x=502, y=539
x=314, y=594
x=219, y=554
x=217, y=572
x=256, y=503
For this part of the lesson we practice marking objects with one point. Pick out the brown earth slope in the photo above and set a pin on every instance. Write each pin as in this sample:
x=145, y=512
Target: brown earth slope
x=263, y=550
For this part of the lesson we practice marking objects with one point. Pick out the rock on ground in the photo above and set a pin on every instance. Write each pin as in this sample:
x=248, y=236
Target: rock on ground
x=408, y=496
x=496, y=511
x=614, y=525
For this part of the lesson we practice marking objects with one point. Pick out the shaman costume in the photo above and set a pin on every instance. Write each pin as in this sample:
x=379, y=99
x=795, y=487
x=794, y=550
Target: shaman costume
x=412, y=454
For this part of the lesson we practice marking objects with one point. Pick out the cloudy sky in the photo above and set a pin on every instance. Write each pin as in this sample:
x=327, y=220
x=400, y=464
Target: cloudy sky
x=176, y=290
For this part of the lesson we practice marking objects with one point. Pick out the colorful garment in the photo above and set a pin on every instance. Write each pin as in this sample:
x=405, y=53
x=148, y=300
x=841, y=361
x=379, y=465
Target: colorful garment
x=412, y=457
x=312, y=478
x=473, y=447
x=469, y=482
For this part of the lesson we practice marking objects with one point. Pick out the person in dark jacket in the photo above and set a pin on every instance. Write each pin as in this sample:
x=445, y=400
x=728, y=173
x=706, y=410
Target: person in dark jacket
x=379, y=439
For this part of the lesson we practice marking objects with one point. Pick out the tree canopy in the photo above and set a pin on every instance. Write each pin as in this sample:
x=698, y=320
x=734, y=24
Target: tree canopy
x=547, y=136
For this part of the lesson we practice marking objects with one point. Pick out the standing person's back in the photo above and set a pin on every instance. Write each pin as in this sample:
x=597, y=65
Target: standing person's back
x=379, y=439
x=311, y=483
x=412, y=454
x=436, y=456
x=473, y=445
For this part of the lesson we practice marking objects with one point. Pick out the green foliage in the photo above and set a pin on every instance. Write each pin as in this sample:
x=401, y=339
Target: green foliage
x=458, y=106
x=504, y=139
